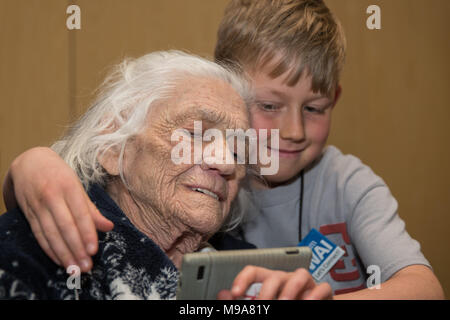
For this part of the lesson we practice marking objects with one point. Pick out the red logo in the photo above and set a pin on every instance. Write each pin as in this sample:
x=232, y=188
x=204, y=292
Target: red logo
x=338, y=272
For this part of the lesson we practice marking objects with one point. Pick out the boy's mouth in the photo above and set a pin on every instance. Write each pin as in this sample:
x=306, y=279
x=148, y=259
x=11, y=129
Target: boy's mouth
x=287, y=153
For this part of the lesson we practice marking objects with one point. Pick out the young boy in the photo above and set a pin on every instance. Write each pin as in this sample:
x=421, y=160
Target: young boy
x=293, y=52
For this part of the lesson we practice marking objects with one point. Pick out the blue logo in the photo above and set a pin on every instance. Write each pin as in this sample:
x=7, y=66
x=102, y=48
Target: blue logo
x=325, y=253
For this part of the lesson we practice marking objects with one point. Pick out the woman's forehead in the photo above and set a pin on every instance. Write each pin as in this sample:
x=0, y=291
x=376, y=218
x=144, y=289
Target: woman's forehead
x=214, y=102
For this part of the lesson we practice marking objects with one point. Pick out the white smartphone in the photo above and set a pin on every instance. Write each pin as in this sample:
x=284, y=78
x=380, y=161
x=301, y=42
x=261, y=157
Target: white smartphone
x=204, y=274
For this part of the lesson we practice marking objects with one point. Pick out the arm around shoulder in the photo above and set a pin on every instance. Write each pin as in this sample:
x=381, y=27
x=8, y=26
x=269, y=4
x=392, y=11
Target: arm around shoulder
x=8, y=192
x=61, y=215
x=22, y=168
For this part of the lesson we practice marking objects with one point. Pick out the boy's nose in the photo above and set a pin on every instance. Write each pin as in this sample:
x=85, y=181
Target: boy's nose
x=291, y=126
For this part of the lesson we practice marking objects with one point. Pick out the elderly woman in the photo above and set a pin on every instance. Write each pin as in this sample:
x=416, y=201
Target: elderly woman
x=121, y=150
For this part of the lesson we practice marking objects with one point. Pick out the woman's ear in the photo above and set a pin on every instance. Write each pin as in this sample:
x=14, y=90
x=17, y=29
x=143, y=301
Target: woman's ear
x=109, y=160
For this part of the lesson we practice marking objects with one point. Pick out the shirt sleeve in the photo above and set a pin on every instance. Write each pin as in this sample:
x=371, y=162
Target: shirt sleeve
x=376, y=230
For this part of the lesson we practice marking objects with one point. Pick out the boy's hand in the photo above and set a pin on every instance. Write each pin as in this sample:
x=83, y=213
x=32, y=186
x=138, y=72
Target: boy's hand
x=61, y=215
x=277, y=285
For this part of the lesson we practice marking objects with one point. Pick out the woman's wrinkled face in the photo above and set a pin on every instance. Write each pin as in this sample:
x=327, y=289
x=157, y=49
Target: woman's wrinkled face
x=196, y=195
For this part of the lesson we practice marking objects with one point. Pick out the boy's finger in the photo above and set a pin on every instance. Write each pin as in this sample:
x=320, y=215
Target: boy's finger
x=54, y=239
x=248, y=275
x=69, y=231
x=299, y=282
x=320, y=292
x=271, y=287
x=78, y=207
x=40, y=238
x=224, y=295
x=101, y=223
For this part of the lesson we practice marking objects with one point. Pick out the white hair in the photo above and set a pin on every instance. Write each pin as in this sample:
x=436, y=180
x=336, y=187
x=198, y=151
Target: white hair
x=124, y=99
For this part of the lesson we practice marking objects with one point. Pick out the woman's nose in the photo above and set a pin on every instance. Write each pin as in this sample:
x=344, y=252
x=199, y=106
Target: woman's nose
x=220, y=158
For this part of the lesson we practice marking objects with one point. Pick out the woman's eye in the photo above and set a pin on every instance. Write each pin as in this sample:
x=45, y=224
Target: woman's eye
x=195, y=135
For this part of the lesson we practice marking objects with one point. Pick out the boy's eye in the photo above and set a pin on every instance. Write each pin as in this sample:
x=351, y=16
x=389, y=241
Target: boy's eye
x=268, y=106
x=312, y=109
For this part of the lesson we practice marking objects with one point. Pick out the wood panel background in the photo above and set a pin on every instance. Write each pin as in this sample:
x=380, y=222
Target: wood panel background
x=393, y=113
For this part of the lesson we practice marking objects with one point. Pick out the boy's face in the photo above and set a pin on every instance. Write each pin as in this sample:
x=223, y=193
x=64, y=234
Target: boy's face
x=302, y=117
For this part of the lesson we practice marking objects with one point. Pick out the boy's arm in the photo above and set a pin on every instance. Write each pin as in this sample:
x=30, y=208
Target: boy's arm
x=412, y=282
x=381, y=239
x=61, y=215
x=378, y=235
x=8, y=192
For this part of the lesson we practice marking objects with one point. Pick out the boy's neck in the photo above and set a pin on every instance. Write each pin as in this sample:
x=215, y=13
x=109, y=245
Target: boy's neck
x=257, y=184
x=263, y=184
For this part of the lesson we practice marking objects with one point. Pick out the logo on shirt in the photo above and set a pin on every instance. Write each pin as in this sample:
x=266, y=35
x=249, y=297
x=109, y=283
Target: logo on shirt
x=325, y=253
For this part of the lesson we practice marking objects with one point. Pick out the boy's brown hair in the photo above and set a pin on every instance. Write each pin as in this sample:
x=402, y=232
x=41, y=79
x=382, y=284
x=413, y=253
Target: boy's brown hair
x=295, y=35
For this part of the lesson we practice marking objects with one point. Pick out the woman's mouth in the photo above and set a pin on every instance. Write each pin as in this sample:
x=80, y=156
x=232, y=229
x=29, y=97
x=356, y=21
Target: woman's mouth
x=215, y=193
x=207, y=192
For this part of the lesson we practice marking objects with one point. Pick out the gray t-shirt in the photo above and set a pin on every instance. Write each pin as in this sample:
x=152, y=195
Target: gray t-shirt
x=347, y=203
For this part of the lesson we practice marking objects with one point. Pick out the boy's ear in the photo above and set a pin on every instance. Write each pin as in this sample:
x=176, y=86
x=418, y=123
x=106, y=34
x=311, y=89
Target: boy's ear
x=337, y=94
x=109, y=160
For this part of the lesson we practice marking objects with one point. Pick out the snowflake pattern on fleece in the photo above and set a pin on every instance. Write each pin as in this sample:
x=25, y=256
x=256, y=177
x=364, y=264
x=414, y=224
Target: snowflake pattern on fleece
x=128, y=265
